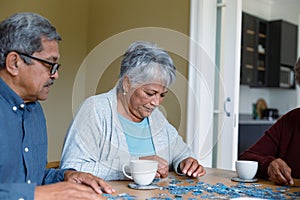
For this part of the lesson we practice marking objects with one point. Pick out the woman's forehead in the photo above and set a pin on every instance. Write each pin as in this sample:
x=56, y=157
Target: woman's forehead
x=153, y=86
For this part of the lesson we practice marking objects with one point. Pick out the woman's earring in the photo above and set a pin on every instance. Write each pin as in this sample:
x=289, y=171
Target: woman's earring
x=124, y=93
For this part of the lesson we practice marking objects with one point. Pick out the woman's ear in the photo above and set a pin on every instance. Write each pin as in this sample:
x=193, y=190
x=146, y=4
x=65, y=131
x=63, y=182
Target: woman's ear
x=11, y=62
x=126, y=84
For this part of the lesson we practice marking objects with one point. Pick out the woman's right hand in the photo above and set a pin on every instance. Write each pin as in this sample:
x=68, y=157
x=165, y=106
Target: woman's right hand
x=163, y=165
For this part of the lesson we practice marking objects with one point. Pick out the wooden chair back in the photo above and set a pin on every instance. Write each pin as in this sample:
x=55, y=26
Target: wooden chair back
x=54, y=164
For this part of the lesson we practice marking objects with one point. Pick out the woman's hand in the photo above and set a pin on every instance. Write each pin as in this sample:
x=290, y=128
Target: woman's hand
x=280, y=173
x=163, y=166
x=191, y=167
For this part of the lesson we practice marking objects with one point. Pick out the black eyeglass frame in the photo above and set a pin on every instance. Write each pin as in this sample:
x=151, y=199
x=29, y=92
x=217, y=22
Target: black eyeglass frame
x=54, y=66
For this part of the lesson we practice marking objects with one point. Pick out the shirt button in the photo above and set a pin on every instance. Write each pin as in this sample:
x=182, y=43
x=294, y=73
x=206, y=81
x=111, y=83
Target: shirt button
x=28, y=181
x=21, y=198
x=26, y=149
x=22, y=106
x=14, y=108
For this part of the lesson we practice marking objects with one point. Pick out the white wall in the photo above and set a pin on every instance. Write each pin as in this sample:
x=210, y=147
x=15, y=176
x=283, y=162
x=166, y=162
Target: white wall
x=274, y=98
x=286, y=9
x=257, y=7
x=280, y=9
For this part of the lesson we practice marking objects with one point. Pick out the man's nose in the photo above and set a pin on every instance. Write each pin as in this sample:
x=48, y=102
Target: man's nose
x=55, y=75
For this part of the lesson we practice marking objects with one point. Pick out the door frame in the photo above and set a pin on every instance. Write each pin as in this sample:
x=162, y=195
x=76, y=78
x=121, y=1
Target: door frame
x=214, y=150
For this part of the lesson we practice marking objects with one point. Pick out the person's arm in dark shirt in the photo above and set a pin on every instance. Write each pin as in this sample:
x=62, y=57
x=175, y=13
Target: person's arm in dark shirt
x=276, y=150
x=265, y=149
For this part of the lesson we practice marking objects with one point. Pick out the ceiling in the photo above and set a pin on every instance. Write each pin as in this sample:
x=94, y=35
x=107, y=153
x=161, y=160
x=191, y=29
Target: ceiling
x=277, y=1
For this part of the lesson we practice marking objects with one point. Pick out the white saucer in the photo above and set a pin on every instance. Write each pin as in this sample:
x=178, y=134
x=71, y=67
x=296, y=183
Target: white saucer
x=143, y=187
x=237, y=179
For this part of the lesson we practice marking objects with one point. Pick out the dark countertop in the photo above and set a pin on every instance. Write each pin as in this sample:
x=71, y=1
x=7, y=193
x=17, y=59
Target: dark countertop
x=247, y=119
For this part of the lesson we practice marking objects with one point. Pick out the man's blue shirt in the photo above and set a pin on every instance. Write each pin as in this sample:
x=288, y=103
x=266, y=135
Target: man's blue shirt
x=23, y=147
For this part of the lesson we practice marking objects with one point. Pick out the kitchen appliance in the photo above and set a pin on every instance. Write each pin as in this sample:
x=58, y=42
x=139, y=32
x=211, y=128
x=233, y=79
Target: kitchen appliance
x=286, y=77
x=270, y=113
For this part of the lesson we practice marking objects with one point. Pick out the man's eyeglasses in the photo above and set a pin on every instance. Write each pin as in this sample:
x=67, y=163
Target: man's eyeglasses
x=54, y=66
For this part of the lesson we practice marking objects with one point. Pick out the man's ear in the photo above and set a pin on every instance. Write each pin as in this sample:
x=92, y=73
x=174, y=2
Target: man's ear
x=11, y=62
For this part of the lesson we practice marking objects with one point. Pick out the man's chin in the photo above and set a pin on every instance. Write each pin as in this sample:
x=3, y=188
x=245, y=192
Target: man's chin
x=43, y=97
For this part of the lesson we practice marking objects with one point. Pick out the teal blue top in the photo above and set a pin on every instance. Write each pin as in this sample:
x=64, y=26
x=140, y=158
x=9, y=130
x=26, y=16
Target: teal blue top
x=138, y=137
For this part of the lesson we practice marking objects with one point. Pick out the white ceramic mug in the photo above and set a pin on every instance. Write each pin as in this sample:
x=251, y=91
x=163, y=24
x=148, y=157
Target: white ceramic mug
x=246, y=169
x=142, y=171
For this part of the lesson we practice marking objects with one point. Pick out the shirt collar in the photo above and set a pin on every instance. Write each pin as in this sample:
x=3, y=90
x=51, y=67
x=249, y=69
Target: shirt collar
x=12, y=98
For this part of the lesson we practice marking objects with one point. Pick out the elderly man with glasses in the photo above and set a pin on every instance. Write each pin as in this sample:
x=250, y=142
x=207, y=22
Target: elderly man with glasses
x=28, y=68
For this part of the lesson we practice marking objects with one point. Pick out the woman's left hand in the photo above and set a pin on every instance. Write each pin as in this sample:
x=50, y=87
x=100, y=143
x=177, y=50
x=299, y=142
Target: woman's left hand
x=191, y=167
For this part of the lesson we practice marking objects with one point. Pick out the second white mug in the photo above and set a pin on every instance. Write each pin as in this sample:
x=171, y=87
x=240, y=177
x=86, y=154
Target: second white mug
x=142, y=171
x=246, y=169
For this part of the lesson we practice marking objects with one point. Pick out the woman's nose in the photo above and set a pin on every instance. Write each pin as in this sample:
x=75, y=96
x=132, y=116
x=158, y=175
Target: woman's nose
x=156, y=100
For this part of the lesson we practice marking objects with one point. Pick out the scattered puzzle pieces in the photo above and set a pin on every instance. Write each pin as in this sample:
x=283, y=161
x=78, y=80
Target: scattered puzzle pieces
x=179, y=188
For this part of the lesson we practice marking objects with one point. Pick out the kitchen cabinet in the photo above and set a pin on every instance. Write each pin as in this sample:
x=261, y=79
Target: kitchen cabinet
x=254, y=50
x=282, y=54
x=268, y=52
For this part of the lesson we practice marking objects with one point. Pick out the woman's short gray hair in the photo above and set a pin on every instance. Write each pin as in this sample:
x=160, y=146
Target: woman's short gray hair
x=144, y=62
x=23, y=32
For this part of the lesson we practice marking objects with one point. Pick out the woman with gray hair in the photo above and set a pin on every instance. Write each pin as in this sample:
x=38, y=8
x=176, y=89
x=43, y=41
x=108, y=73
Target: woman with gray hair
x=112, y=128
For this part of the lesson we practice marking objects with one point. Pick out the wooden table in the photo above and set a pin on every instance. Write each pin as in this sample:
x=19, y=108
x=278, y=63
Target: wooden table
x=212, y=176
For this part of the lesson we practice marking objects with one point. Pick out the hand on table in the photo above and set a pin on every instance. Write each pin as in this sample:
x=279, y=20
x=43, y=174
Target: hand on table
x=280, y=173
x=191, y=167
x=163, y=166
x=65, y=191
x=87, y=179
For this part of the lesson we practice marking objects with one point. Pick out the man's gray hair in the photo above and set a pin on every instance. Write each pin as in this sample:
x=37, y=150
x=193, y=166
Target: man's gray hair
x=144, y=62
x=23, y=33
